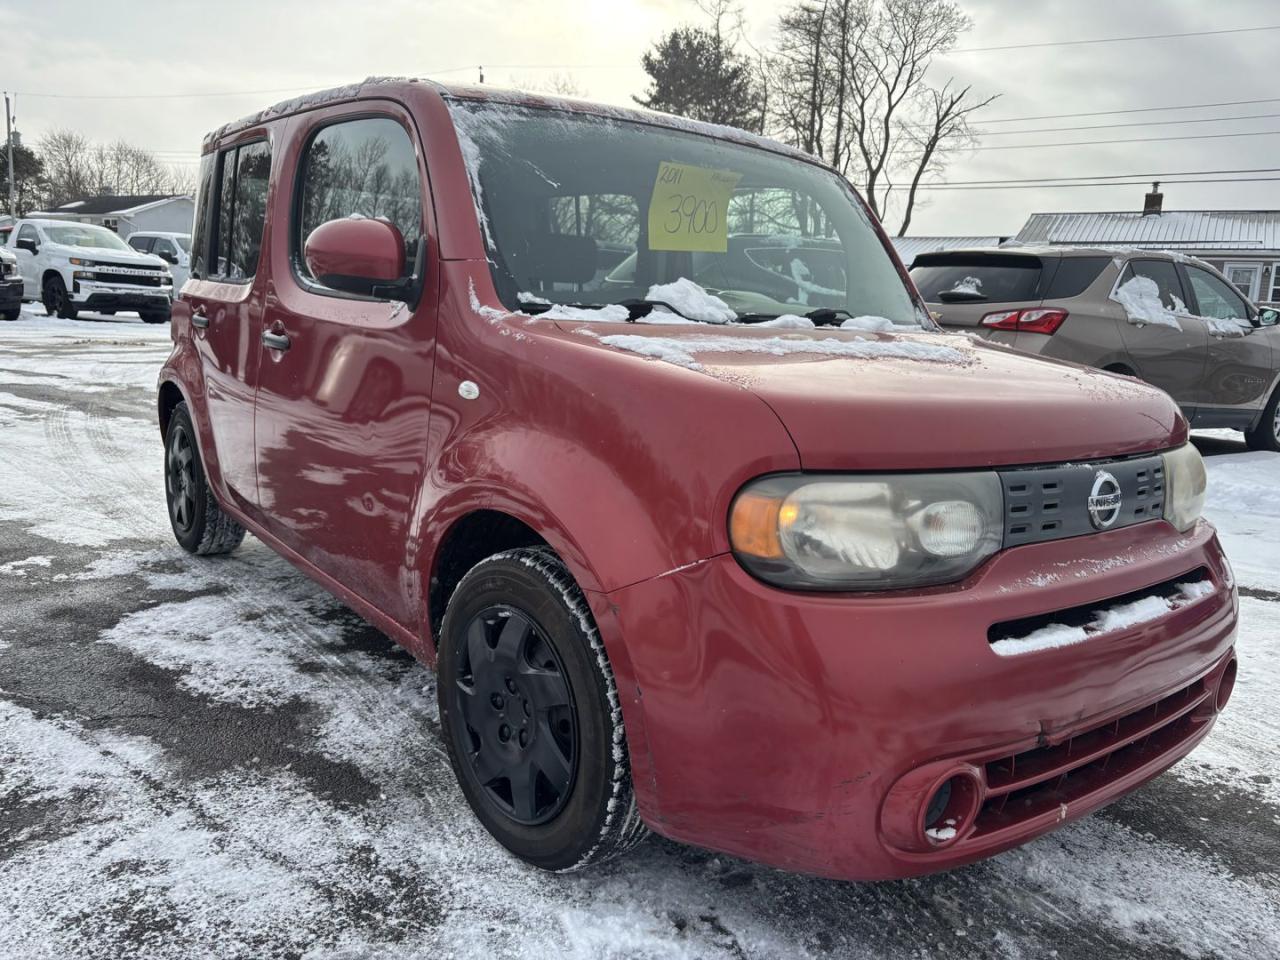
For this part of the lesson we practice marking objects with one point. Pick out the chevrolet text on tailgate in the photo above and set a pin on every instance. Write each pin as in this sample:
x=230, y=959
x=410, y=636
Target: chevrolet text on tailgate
x=636, y=429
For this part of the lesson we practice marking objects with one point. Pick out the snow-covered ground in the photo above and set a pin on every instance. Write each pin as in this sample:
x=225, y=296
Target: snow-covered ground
x=216, y=759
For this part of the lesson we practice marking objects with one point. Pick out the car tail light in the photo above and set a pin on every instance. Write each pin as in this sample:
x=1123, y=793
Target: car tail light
x=1039, y=320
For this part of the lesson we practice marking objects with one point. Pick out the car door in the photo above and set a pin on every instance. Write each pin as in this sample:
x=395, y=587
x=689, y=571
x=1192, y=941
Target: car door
x=1166, y=342
x=345, y=383
x=226, y=306
x=1238, y=373
x=28, y=259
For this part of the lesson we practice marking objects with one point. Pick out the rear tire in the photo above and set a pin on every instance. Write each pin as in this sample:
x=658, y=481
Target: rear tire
x=199, y=524
x=57, y=303
x=1266, y=435
x=530, y=714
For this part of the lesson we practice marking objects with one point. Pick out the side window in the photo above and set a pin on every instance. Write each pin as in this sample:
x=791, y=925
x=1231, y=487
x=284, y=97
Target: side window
x=1217, y=299
x=28, y=232
x=243, y=175
x=163, y=247
x=1165, y=275
x=362, y=168
x=141, y=244
x=200, y=228
x=1075, y=275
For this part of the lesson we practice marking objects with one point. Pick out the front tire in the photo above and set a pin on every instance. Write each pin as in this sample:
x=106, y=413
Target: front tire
x=57, y=302
x=1266, y=435
x=154, y=316
x=13, y=314
x=199, y=524
x=530, y=714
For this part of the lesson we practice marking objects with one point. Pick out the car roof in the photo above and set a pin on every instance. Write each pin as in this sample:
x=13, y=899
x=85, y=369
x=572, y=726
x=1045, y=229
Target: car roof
x=382, y=86
x=159, y=233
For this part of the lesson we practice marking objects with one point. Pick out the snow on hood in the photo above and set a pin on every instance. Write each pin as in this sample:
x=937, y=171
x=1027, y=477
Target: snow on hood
x=684, y=350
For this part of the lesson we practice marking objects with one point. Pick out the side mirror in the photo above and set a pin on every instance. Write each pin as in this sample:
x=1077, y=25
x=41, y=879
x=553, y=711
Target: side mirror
x=29, y=245
x=1268, y=317
x=167, y=257
x=357, y=255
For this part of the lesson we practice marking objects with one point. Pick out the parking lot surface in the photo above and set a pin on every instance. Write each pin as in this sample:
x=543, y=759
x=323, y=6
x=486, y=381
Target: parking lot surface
x=215, y=758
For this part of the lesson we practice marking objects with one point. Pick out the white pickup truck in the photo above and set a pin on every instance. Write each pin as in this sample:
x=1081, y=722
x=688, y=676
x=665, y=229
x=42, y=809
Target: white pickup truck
x=79, y=266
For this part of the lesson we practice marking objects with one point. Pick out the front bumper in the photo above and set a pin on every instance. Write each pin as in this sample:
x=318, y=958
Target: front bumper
x=93, y=295
x=802, y=730
x=10, y=293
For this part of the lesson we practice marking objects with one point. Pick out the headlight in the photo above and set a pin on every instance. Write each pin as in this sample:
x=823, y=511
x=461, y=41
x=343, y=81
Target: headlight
x=867, y=532
x=77, y=262
x=1184, y=485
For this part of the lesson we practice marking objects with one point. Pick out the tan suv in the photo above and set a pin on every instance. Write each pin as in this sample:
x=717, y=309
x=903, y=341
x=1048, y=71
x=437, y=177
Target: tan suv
x=1169, y=319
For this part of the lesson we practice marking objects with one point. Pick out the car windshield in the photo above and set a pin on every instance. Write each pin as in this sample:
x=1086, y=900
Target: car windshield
x=84, y=235
x=579, y=209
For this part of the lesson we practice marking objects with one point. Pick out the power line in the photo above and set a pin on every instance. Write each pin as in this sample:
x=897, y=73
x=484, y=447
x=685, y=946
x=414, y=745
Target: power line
x=1144, y=177
x=1148, y=36
x=1098, y=143
x=945, y=188
x=1112, y=113
x=1117, y=126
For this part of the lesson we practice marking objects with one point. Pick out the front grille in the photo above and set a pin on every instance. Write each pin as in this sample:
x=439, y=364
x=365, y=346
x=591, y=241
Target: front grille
x=1041, y=781
x=144, y=267
x=125, y=279
x=1052, y=503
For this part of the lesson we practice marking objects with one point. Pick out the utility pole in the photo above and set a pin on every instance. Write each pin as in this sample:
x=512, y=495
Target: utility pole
x=8, y=139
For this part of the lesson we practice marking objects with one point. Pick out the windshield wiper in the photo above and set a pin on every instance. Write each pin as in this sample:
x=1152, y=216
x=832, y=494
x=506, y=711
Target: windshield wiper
x=821, y=317
x=960, y=296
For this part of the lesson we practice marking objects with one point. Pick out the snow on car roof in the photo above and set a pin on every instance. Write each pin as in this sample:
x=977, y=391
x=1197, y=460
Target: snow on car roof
x=497, y=95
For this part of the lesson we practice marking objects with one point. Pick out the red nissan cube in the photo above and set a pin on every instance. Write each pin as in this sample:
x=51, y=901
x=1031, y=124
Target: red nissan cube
x=637, y=431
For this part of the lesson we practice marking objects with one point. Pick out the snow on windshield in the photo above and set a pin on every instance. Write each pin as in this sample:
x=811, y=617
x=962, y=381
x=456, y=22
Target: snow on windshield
x=692, y=301
x=1140, y=298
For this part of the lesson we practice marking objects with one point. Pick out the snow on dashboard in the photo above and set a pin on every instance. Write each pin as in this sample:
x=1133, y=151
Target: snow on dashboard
x=1108, y=620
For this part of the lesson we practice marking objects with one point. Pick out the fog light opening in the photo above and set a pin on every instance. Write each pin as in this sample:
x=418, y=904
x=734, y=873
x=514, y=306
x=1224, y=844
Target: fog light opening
x=950, y=811
x=1226, y=684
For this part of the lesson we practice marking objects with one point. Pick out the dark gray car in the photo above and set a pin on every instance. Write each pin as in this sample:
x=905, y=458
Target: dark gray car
x=1171, y=320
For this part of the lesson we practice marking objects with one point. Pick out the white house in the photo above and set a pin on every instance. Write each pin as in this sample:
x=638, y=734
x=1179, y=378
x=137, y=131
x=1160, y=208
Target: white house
x=170, y=213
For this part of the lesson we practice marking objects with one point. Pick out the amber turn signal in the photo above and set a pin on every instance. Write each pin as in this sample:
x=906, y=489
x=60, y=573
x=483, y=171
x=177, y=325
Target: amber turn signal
x=753, y=526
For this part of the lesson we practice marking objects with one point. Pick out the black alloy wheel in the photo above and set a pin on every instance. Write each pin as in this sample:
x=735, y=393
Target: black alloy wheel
x=180, y=479
x=519, y=734
x=57, y=302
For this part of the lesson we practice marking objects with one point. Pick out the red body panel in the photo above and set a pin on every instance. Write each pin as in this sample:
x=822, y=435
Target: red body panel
x=761, y=722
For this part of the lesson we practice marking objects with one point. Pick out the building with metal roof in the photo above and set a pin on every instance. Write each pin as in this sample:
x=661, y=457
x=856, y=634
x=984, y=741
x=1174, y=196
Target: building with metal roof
x=911, y=247
x=1243, y=244
x=164, y=212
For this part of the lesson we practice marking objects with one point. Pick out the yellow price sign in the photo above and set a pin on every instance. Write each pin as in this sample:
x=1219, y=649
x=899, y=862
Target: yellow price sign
x=689, y=208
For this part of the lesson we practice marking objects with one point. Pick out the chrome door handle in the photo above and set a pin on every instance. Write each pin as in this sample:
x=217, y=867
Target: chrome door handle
x=276, y=341
x=198, y=318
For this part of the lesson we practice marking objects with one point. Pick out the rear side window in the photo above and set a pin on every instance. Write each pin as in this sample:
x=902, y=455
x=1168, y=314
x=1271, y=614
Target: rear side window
x=1075, y=275
x=200, y=229
x=364, y=168
x=977, y=278
x=244, y=173
x=1165, y=275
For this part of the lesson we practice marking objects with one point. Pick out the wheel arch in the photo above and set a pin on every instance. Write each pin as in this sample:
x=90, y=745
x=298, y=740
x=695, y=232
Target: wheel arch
x=169, y=395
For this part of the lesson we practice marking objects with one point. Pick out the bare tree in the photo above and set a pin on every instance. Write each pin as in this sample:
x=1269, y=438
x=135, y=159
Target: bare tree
x=853, y=86
x=75, y=167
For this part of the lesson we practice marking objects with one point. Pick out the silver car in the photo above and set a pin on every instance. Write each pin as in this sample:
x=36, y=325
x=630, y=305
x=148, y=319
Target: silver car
x=1171, y=320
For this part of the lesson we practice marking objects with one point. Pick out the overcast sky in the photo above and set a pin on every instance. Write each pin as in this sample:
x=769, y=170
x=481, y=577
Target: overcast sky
x=78, y=48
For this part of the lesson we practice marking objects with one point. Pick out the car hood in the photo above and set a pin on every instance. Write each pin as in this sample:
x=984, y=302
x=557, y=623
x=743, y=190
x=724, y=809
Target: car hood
x=130, y=256
x=865, y=401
